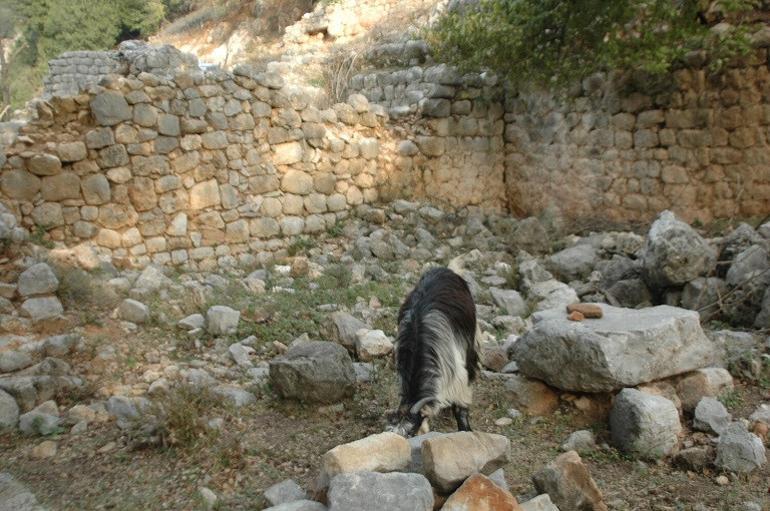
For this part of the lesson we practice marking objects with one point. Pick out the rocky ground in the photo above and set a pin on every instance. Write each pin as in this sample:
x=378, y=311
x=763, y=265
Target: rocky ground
x=158, y=389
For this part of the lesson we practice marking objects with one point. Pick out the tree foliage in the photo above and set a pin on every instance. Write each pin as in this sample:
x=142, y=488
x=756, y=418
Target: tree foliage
x=555, y=42
x=43, y=29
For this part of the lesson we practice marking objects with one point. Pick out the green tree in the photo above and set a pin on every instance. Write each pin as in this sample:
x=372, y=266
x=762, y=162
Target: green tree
x=555, y=42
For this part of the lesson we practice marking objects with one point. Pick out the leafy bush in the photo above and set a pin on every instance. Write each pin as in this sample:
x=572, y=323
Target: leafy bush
x=555, y=42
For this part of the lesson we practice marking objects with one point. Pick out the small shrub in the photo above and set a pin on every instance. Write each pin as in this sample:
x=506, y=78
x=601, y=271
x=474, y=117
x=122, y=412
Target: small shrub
x=341, y=275
x=37, y=236
x=300, y=246
x=182, y=415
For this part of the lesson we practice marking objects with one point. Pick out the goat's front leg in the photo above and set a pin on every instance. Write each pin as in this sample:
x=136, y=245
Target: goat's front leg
x=461, y=416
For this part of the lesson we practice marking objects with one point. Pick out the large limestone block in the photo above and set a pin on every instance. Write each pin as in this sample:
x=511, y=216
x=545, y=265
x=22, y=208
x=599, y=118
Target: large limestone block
x=382, y=452
x=450, y=459
x=624, y=348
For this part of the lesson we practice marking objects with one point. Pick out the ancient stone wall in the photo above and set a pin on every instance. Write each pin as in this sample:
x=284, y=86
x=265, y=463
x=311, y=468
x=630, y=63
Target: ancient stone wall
x=450, y=129
x=198, y=170
x=697, y=144
x=72, y=71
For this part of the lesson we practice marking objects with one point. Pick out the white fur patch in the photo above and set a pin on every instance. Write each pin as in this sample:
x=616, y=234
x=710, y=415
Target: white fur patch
x=452, y=384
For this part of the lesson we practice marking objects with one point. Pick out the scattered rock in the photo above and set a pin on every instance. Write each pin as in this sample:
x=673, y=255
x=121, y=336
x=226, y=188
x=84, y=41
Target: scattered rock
x=16, y=497
x=706, y=382
x=644, y=425
x=711, y=416
x=234, y=395
x=510, y=301
x=192, y=322
x=739, y=451
x=532, y=396
x=42, y=308
x=222, y=320
x=480, y=493
x=38, y=279
x=13, y=360
x=371, y=344
x=208, y=497
x=449, y=459
x=380, y=492
x=694, y=459
x=241, y=354
x=42, y=420
x=674, y=253
x=133, y=311
x=624, y=348
x=9, y=412
x=343, y=329
x=299, y=505
x=313, y=371
x=576, y=316
x=383, y=452
x=580, y=441
x=539, y=503
x=124, y=410
x=761, y=414
x=569, y=485
x=574, y=263
x=284, y=492
x=43, y=450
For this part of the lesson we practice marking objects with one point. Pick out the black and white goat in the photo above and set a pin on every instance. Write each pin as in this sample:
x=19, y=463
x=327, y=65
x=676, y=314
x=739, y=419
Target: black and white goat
x=436, y=352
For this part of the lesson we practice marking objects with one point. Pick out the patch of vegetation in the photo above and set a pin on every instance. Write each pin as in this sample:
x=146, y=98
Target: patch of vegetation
x=336, y=230
x=37, y=236
x=732, y=399
x=182, y=414
x=555, y=43
x=300, y=246
x=83, y=291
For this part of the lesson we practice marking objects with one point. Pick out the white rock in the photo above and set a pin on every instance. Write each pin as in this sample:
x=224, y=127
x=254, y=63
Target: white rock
x=222, y=320
x=38, y=279
x=133, y=311
x=371, y=344
x=644, y=425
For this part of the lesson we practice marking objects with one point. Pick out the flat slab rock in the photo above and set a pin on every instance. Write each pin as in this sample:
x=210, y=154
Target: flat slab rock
x=374, y=491
x=624, y=348
x=382, y=452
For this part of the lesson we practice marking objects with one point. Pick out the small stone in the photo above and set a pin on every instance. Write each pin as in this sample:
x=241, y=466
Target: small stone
x=284, y=492
x=42, y=308
x=133, y=311
x=241, y=354
x=567, y=481
x=722, y=480
x=644, y=425
x=343, y=328
x=711, y=416
x=42, y=420
x=533, y=396
x=576, y=316
x=208, y=497
x=192, y=322
x=504, y=421
x=739, y=451
x=580, y=441
x=234, y=395
x=38, y=279
x=588, y=310
x=371, y=344
x=543, y=503
x=9, y=412
x=222, y=320
x=43, y=450
x=480, y=493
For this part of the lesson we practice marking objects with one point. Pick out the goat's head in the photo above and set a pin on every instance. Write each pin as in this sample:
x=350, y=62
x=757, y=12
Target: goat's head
x=409, y=421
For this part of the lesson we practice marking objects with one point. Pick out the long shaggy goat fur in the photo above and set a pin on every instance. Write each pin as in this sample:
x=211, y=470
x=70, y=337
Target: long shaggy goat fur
x=436, y=351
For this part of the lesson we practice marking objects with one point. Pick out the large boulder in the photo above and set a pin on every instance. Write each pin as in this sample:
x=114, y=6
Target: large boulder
x=674, y=253
x=374, y=491
x=449, y=459
x=624, y=348
x=568, y=483
x=383, y=452
x=644, y=425
x=313, y=371
x=480, y=493
x=739, y=451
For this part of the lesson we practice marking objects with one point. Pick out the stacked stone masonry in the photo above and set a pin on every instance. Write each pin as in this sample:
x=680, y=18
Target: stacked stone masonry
x=698, y=145
x=452, y=151
x=198, y=170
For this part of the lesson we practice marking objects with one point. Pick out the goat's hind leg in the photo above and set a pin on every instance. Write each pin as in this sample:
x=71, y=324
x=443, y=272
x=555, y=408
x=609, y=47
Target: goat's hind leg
x=461, y=416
